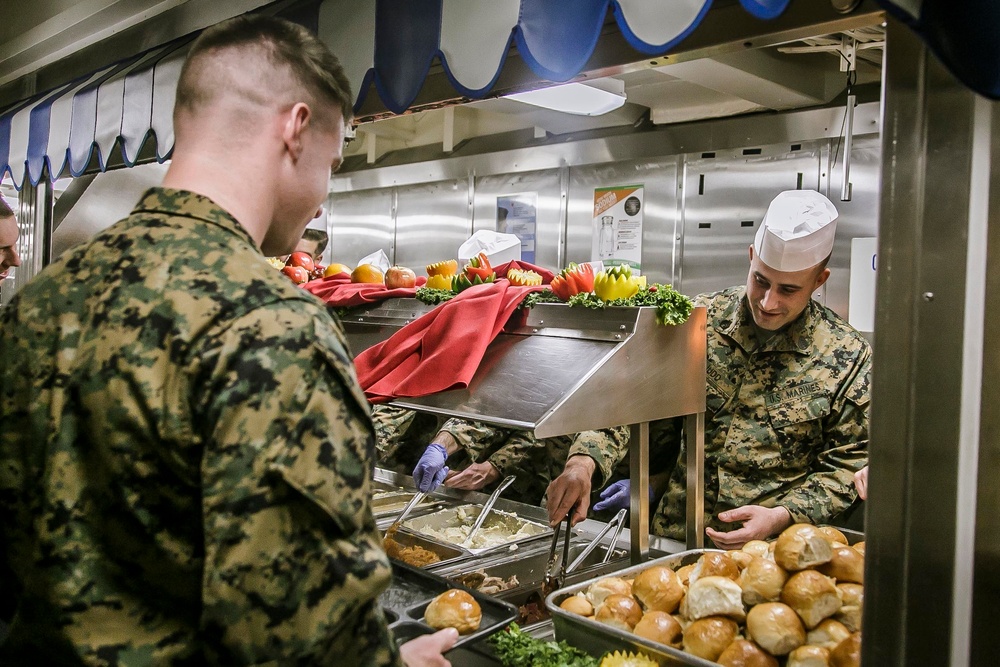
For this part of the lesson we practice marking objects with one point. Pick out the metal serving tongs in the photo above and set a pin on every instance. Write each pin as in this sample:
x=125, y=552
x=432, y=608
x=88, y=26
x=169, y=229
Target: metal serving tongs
x=487, y=508
x=554, y=581
x=414, y=501
x=617, y=523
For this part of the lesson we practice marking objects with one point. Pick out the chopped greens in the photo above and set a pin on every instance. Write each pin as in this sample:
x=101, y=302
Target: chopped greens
x=672, y=307
x=433, y=297
x=515, y=648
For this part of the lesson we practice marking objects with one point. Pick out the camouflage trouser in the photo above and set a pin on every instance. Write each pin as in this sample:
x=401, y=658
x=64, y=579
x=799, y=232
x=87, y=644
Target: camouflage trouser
x=537, y=462
x=401, y=436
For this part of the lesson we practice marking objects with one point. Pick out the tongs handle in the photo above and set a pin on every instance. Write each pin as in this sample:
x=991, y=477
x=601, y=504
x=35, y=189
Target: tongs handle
x=488, y=507
x=614, y=538
x=618, y=522
x=555, y=581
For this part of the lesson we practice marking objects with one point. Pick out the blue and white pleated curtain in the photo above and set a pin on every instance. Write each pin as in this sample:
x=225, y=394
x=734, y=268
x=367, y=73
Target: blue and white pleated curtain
x=392, y=43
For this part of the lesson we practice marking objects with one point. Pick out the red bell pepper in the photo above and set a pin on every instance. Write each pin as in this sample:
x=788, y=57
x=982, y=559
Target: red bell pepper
x=574, y=279
x=479, y=266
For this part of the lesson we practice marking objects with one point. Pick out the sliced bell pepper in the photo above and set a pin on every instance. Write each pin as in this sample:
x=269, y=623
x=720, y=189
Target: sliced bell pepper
x=463, y=282
x=446, y=268
x=523, y=278
x=438, y=281
x=610, y=285
x=480, y=266
x=574, y=279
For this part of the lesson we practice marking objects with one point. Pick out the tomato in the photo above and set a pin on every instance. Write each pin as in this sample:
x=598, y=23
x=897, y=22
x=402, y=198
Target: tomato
x=298, y=274
x=302, y=259
x=400, y=276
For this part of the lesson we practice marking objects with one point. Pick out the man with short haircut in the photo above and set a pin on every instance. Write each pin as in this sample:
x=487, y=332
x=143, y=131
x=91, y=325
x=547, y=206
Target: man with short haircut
x=786, y=425
x=8, y=239
x=185, y=453
x=313, y=243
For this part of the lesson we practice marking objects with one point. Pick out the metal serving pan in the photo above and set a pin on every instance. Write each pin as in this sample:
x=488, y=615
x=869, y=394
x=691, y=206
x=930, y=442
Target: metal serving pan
x=446, y=553
x=391, y=503
x=465, y=515
x=598, y=638
x=412, y=589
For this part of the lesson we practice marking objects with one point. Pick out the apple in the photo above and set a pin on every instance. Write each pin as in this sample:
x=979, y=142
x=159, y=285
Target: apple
x=302, y=259
x=298, y=274
x=400, y=276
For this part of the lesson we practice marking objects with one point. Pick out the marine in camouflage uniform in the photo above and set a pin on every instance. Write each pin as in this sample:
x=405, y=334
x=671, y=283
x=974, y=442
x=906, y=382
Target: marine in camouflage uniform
x=786, y=422
x=401, y=436
x=537, y=462
x=185, y=457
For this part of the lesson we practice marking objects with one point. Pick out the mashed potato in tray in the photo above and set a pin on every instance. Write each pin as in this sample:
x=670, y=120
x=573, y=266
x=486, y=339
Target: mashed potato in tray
x=500, y=528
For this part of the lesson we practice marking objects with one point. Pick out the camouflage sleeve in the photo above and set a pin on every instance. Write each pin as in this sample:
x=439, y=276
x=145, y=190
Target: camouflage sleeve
x=607, y=447
x=829, y=489
x=293, y=562
x=476, y=438
x=522, y=452
x=664, y=444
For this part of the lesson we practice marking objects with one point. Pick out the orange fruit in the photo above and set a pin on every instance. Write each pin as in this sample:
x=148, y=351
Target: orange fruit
x=366, y=273
x=335, y=268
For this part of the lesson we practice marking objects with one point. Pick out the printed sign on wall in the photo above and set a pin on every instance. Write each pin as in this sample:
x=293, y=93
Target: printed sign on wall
x=617, y=237
x=516, y=215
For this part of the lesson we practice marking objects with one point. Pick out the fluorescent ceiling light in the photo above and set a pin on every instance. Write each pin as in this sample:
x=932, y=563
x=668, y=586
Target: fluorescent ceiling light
x=577, y=98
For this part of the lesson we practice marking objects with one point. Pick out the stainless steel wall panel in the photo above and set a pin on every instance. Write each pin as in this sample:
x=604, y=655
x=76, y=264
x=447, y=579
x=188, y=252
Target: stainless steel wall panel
x=548, y=208
x=360, y=223
x=659, y=223
x=432, y=220
x=724, y=200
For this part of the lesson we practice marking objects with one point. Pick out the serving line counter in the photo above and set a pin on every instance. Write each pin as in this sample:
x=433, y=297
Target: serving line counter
x=567, y=370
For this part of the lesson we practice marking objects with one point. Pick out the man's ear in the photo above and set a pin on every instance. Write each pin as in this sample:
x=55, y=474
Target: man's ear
x=296, y=119
x=821, y=279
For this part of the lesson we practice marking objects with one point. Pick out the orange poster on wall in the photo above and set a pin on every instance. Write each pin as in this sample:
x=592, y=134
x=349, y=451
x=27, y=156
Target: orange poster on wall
x=617, y=237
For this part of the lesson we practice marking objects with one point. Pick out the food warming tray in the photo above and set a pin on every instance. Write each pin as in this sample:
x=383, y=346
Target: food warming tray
x=598, y=638
x=412, y=589
x=387, y=503
x=451, y=517
x=447, y=553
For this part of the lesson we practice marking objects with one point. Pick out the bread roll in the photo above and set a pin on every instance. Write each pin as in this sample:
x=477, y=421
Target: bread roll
x=847, y=653
x=577, y=604
x=715, y=596
x=741, y=558
x=602, y=588
x=828, y=634
x=850, y=616
x=658, y=589
x=833, y=536
x=859, y=547
x=756, y=548
x=852, y=594
x=809, y=656
x=846, y=566
x=714, y=564
x=744, y=653
x=801, y=546
x=775, y=627
x=619, y=611
x=708, y=637
x=454, y=609
x=812, y=595
x=684, y=574
x=762, y=581
x=659, y=626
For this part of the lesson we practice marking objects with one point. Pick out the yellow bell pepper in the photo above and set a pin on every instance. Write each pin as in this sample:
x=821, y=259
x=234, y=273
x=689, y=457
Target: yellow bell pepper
x=521, y=278
x=439, y=282
x=611, y=285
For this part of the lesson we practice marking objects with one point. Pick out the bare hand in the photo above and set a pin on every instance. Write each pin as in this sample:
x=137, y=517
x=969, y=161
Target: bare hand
x=570, y=488
x=426, y=650
x=472, y=478
x=759, y=523
x=861, y=483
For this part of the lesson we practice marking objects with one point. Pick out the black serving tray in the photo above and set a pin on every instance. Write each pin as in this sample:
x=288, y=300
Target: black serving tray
x=413, y=589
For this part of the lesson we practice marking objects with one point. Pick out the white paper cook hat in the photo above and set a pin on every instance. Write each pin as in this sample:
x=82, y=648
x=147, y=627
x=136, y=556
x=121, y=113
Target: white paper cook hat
x=499, y=248
x=797, y=231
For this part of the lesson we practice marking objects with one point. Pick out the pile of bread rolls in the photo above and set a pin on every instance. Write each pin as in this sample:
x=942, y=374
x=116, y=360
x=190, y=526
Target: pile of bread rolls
x=795, y=602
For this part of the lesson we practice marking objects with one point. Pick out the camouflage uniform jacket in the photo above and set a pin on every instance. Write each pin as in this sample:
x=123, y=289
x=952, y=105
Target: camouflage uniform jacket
x=786, y=421
x=185, y=457
x=537, y=462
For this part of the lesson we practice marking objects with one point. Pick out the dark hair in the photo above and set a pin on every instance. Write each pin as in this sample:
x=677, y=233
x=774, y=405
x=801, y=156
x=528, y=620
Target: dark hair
x=5, y=210
x=283, y=43
x=317, y=236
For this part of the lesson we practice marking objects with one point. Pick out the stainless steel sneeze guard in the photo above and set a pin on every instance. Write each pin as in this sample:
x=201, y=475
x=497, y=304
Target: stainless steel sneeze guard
x=569, y=370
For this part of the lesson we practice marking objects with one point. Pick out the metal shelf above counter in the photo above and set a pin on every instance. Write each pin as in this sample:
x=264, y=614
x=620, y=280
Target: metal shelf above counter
x=567, y=370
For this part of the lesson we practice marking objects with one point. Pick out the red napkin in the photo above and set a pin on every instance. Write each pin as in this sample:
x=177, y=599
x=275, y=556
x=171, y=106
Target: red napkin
x=340, y=292
x=442, y=349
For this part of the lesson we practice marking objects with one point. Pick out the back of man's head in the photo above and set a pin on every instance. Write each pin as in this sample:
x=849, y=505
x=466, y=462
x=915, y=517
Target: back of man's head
x=256, y=63
x=5, y=210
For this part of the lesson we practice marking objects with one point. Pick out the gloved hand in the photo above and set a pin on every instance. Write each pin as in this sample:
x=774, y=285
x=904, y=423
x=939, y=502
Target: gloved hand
x=430, y=470
x=616, y=496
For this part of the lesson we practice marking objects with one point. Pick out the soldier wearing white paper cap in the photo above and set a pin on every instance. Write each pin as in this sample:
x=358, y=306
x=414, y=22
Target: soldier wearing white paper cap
x=786, y=425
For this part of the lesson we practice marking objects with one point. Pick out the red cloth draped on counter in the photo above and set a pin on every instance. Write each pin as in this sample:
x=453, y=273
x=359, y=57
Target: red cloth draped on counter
x=338, y=291
x=442, y=349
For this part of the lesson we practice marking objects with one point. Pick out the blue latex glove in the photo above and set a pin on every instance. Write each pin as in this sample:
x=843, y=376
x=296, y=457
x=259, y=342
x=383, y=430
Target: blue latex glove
x=430, y=470
x=616, y=496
